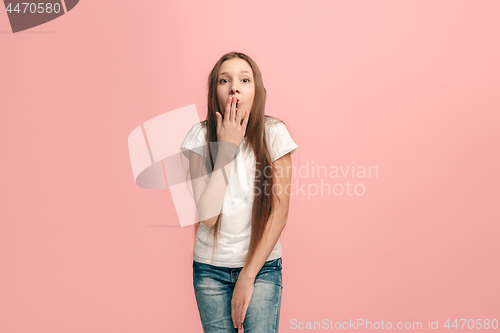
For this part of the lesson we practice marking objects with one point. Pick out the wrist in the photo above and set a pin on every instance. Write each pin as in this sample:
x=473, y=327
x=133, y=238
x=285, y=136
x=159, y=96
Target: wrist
x=227, y=150
x=247, y=275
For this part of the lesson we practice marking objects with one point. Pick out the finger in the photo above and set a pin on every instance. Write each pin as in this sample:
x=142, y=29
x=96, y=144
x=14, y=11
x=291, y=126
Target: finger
x=238, y=316
x=219, y=120
x=233, y=109
x=229, y=109
x=242, y=314
x=235, y=321
x=245, y=120
x=233, y=315
x=238, y=113
x=227, y=112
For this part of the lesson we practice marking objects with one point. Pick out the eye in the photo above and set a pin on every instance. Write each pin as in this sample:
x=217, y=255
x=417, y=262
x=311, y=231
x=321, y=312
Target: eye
x=248, y=80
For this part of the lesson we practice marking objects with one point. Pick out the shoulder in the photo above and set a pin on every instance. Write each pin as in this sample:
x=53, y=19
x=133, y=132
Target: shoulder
x=280, y=140
x=275, y=126
x=197, y=132
x=195, y=140
x=199, y=128
x=270, y=120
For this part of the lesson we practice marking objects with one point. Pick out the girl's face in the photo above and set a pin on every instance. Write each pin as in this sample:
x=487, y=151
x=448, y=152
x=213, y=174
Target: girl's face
x=236, y=78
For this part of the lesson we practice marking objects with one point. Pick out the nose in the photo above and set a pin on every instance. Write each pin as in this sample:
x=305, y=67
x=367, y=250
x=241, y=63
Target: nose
x=234, y=89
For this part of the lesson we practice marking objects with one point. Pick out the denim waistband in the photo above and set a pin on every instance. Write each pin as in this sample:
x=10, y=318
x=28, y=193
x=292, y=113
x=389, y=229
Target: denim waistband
x=271, y=263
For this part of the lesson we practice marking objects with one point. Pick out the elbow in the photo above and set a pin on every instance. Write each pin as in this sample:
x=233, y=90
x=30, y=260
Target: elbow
x=210, y=222
x=207, y=214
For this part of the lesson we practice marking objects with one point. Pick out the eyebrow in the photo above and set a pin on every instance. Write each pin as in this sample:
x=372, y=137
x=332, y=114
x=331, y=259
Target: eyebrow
x=240, y=72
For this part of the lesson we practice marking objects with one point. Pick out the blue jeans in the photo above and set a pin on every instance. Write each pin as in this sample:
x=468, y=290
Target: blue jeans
x=213, y=288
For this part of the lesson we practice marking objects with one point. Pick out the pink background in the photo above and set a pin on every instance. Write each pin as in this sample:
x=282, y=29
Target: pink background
x=411, y=87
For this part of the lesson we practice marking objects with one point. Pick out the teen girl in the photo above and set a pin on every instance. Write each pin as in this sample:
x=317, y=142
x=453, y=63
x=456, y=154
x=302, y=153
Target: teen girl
x=239, y=161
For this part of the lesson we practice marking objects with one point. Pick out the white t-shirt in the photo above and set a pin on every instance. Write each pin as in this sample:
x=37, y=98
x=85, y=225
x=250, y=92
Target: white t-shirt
x=235, y=228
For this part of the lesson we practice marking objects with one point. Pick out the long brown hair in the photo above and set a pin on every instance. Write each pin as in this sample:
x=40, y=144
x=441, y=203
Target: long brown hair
x=257, y=141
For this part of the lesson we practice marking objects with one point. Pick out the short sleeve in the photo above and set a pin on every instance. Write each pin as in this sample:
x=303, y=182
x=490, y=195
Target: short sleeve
x=280, y=141
x=195, y=141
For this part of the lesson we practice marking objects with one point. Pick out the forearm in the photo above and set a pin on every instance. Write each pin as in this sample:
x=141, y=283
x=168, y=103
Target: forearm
x=277, y=221
x=211, y=200
x=272, y=233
